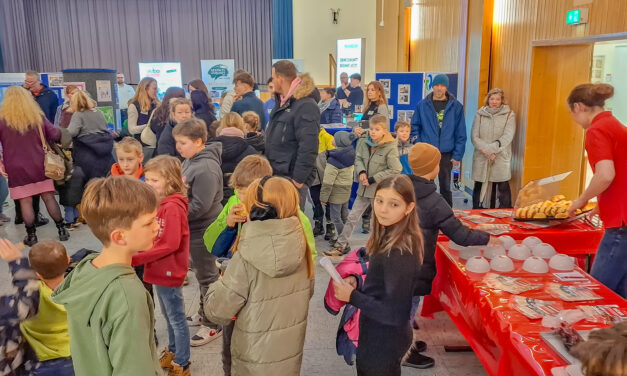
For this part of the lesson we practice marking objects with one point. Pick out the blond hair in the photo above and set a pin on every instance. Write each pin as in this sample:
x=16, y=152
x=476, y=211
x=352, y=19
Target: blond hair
x=19, y=110
x=381, y=120
x=231, y=120
x=248, y=170
x=495, y=91
x=130, y=145
x=252, y=119
x=282, y=194
x=115, y=203
x=141, y=95
x=81, y=102
x=179, y=101
x=170, y=169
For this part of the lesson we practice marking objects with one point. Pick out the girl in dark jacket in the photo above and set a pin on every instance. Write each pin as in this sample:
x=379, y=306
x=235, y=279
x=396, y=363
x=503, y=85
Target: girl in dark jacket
x=161, y=116
x=330, y=108
x=180, y=109
x=254, y=137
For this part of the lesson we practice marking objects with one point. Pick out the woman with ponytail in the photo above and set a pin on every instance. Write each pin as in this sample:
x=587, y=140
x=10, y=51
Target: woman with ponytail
x=606, y=144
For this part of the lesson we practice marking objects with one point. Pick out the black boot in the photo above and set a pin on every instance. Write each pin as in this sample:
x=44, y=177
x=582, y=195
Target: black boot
x=415, y=359
x=318, y=228
x=63, y=234
x=40, y=220
x=330, y=234
x=31, y=236
x=365, y=226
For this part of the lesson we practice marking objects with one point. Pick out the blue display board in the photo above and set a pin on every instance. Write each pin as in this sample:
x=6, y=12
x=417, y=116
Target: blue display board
x=403, y=92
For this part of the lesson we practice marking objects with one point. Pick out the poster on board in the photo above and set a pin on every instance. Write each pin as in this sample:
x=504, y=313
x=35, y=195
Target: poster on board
x=55, y=80
x=386, y=83
x=103, y=90
x=350, y=56
x=404, y=94
x=107, y=111
x=167, y=74
x=217, y=75
x=298, y=63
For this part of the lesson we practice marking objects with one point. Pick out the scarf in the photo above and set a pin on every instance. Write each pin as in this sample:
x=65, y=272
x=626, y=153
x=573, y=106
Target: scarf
x=291, y=91
x=493, y=111
x=322, y=105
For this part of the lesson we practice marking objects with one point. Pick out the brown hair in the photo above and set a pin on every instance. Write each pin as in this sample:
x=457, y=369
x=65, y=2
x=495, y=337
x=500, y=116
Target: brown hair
x=170, y=169
x=382, y=120
x=69, y=89
x=248, y=170
x=252, y=119
x=162, y=113
x=282, y=194
x=200, y=85
x=141, y=95
x=330, y=90
x=405, y=235
x=285, y=68
x=48, y=258
x=245, y=78
x=81, y=102
x=193, y=129
x=178, y=102
x=401, y=124
x=115, y=203
x=129, y=145
x=231, y=120
x=591, y=95
x=492, y=92
x=378, y=87
x=605, y=352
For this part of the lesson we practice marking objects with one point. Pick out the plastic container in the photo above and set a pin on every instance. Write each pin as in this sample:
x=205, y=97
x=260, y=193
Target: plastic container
x=478, y=265
x=562, y=262
x=508, y=241
x=502, y=263
x=491, y=252
x=544, y=250
x=519, y=252
x=531, y=241
x=535, y=264
x=469, y=252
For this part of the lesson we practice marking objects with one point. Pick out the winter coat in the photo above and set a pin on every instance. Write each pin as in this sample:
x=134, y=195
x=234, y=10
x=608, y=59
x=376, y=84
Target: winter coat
x=494, y=134
x=203, y=176
x=166, y=263
x=292, y=134
x=166, y=145
x=257, y=140
x=436, y=215
x=333, y=113
x=338, y=176
x=425, y=126
x=203, y=109
x=403, y=151
x=266, y=286
x=267, y=108
x=92, y=152
x=249, y=102
x=378, y=162
x=48, y=102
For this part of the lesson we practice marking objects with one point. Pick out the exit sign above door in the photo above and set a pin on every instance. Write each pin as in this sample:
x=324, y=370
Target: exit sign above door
x=577, y=16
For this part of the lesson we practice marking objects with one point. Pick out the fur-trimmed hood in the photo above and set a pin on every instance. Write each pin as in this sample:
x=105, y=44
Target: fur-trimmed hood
x=306, y=86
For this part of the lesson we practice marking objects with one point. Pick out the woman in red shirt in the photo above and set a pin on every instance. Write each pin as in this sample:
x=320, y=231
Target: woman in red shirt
x=606, y=144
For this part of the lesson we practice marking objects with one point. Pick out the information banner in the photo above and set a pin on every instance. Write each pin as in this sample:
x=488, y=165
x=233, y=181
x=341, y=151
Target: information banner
x=350, y=56
x=217, y=75
x=167, y=74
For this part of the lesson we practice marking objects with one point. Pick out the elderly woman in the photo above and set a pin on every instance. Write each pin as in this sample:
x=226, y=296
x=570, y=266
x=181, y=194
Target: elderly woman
x=492, y=134
x=22, y=125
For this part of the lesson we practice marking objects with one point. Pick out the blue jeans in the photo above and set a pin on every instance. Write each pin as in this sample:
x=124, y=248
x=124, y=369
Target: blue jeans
x=71, y=214
x=4, y=191
x=173, y=308
x=55, y=367
x=610, y=263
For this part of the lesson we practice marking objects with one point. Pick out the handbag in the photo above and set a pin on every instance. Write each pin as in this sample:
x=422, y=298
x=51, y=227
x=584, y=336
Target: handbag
x=54, y=165
x=147, y=136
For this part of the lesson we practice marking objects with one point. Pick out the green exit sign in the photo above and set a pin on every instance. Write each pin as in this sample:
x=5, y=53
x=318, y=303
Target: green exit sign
x=577, y=16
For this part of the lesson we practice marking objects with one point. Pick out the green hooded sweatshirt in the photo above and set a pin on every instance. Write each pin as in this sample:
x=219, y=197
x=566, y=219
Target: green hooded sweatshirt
x=110, y=320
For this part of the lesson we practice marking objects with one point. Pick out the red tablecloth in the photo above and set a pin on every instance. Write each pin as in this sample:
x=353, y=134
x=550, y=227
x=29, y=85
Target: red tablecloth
x=505, y=341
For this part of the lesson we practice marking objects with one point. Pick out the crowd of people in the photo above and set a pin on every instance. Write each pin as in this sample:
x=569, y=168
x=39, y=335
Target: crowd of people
x=227, y=197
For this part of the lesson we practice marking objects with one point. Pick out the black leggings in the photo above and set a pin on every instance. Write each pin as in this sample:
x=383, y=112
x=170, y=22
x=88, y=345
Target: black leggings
x=502, y=190
x=319, y=210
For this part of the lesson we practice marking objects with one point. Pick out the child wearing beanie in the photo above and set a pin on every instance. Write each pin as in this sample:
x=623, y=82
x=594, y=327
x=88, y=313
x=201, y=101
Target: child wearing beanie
x=435, y=215
x=338, y=180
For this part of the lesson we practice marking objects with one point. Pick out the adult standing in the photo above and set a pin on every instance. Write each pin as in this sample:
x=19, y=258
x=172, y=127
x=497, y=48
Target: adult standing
x=606, y=144
x=203, y=108
x=141, y=106
x=269, y=105
x=492, y=134
x=21, y=121
x=45, y=98
x=244, y=84
x=354, y=93
x=340, y=95
x=292, y=135
x=376, y=102
x=125, y=94
x=439, y=121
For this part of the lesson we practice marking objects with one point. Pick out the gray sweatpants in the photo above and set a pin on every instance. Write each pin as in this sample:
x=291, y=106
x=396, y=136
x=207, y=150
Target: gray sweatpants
x=359, y=207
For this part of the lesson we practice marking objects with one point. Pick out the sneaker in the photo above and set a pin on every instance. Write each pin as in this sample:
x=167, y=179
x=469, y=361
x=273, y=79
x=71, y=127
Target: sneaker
x=415, y=359
x=195, y=320
x=177, y=370
x=337, y=250
x=166, y=358
x=204, y=335
x=330, y=232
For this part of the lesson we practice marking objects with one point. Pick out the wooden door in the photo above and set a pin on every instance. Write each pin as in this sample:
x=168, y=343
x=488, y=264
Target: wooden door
x=554, y=143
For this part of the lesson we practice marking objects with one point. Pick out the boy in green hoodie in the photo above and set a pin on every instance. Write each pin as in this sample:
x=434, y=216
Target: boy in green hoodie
x=109, y=312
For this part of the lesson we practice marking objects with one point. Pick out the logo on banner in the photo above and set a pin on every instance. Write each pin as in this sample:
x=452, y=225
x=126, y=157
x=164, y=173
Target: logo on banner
x=218, y=71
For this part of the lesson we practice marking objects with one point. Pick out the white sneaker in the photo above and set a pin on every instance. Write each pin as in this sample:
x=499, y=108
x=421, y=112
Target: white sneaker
x=195, y=320
x=204, y=335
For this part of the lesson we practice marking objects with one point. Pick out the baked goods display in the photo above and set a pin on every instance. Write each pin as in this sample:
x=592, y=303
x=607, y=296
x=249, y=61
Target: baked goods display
x=556, y=208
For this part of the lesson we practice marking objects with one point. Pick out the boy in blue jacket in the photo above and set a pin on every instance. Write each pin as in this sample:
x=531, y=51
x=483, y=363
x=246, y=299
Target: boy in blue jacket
x=439, y=121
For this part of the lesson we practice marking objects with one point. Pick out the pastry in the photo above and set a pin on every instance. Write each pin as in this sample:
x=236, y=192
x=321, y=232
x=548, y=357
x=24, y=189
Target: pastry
x=561, y=215
x=539, y=216
x=558, y=198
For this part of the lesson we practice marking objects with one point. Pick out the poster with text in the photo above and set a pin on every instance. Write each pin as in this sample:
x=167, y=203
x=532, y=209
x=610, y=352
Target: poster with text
x=167, y=74
x=350, y=56
x=103, y=90
x=217, y=75
x=55, y=80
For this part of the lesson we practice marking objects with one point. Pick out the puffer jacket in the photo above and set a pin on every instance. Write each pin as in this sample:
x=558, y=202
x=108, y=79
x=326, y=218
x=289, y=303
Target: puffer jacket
x=378, y=162
x=292, y=134
x=493, y=133
x=267, y=287
x=338, y=176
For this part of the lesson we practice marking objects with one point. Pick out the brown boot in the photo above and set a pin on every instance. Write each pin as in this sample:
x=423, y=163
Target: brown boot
x=166, y=358
x=180, y=371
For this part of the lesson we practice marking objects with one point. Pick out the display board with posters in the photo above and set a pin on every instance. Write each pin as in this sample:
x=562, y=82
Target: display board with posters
x=350, y=56
x=167, y=74
x=217, y=75
x=403, y=91
x=53, y=80
x=298, y=63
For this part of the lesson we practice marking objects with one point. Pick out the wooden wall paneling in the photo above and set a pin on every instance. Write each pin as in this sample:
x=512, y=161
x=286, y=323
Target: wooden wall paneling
x=387, y=36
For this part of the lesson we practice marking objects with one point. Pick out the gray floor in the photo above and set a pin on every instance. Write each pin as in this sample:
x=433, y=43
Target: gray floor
x=320, y=357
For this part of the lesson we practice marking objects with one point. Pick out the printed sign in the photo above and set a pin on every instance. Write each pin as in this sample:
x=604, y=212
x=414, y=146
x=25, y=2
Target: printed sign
x=350, y=55
x=217, y=75
x=167, y=74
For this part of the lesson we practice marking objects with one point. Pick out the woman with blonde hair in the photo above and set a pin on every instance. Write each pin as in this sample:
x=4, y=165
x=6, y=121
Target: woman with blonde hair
x=492, y=135
x=141, y=106
x=376, y=102
x=268, y=283
x=22, y=126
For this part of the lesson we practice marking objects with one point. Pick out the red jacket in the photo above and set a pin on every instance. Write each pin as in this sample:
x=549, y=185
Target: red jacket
x=168, y=259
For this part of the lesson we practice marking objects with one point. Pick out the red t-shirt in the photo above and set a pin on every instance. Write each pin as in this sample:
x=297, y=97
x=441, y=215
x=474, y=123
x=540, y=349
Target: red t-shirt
x=606, y=139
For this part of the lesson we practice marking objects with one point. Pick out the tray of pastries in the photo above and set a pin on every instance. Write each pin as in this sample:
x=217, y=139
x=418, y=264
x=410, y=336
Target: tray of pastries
x=556, y=208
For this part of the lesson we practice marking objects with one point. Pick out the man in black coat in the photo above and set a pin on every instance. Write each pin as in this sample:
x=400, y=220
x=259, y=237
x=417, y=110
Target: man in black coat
x=292, y=134
x=435, y=215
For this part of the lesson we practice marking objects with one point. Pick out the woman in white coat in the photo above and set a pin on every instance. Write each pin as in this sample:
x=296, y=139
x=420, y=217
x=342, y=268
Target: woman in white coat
x=492, y=134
